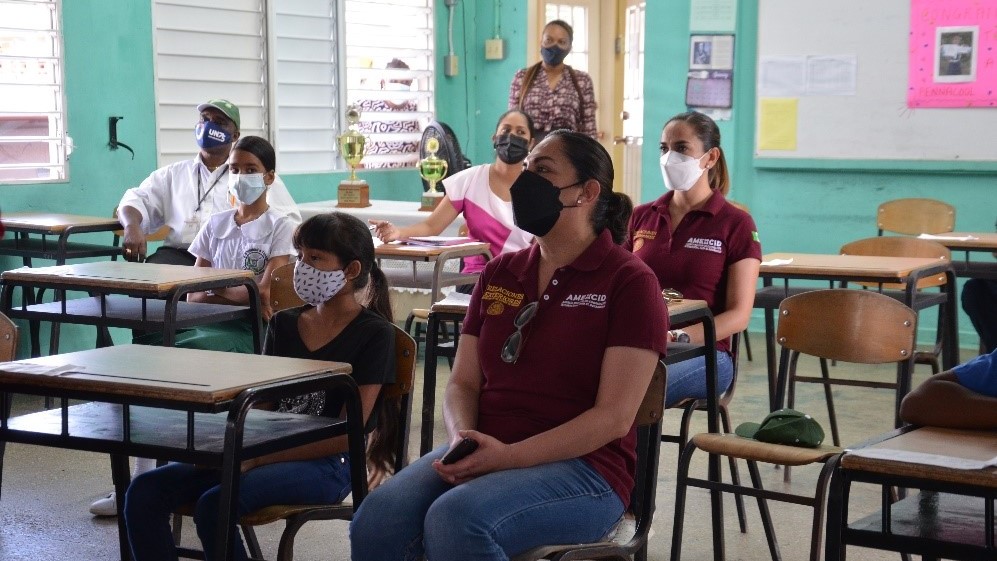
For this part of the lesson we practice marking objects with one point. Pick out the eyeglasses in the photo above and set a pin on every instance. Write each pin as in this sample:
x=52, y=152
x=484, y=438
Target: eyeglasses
x=514, y=344
x=671, y=295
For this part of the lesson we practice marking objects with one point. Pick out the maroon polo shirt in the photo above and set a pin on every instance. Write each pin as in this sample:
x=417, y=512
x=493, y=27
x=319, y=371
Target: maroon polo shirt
x=605, y=298
x=695, y=259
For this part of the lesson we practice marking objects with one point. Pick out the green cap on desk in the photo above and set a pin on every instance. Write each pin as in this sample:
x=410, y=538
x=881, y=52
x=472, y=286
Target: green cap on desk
x=785, y=426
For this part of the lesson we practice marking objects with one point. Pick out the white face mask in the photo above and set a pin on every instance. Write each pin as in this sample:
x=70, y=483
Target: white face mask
x=246, y=187
x=315, y=286
x=679, y=171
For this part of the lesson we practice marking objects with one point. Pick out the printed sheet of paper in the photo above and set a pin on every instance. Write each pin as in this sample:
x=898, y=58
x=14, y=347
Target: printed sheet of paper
x=713, y=15
x=777, y=123
x=782, y=76
x=831, y=75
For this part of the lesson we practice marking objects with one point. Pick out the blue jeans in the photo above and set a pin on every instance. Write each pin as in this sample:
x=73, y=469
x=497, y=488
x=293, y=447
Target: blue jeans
x=979, y=300
x=492, y=517
x=688, y=378
x=153, y=496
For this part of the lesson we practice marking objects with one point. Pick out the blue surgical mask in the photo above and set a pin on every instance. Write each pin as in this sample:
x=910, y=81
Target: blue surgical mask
x=210, y=135
x=246, y=187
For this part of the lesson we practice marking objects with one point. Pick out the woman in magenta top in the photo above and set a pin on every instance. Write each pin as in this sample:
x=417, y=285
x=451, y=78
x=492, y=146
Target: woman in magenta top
x=556, y=95
x=700, y=244
x=481, y=194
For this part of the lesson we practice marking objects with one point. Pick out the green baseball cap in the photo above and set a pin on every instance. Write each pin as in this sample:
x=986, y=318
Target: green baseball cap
x=226, y=107
x=785, y=426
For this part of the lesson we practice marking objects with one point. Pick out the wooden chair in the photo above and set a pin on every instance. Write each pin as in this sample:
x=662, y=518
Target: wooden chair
x=295, y=516
x=915, y=216
x=629, y=541
x=691, y=405
x=846, y=325
x=8, y=352
x=282, y=294
x=894, y=246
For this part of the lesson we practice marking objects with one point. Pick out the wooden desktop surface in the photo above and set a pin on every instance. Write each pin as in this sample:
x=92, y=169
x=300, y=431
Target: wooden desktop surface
x=428, y=253
x=971, y=445
x=123, y=275
x=447, y=306
x=165, y=373
x=984, y=241
x=830, y=265
x=53, y=223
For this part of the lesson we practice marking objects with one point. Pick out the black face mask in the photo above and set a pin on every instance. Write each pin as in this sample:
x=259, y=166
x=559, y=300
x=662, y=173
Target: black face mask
x=536, y=203
x=511, y=148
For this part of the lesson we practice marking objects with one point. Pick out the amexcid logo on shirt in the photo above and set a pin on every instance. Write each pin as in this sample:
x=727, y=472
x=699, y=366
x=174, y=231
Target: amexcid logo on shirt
x=705, y=244
x=597, y=301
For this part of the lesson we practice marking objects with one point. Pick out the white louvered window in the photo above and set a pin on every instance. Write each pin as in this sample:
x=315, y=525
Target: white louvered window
x=395, y=102
x=307, y=78
x=279, y=61
x=33, y=140
x=207, y=50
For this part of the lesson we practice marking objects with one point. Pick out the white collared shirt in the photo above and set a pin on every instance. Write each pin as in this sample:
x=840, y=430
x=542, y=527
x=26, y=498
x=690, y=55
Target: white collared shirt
x=184, y=194
x=248, y=247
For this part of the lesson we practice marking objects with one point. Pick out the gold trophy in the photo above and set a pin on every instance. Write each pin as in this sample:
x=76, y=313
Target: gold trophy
x=353, y=192
x=432, y=169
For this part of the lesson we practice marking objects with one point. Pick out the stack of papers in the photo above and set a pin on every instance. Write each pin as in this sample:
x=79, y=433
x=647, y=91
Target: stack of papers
x=944, y=237
x=923, y=458
x=776, y=262
x=455, y=299
x=437, y=241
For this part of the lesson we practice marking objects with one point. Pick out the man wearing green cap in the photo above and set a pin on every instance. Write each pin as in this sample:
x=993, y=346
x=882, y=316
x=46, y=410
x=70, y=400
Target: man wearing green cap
x=183, y=195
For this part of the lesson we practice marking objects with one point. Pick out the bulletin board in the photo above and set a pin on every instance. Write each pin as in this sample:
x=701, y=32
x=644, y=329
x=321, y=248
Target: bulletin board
x=872, y=125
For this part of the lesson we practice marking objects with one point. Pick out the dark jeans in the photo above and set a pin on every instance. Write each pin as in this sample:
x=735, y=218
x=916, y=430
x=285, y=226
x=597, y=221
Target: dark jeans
x=979, y=300
x=153, y=496
x=171, y=256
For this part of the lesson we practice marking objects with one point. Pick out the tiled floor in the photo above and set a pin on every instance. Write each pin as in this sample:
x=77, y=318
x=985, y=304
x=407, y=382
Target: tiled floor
x=43, y=512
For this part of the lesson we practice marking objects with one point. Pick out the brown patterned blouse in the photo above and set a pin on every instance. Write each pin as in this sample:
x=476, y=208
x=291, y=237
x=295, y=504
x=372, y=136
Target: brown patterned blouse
x=566, y=106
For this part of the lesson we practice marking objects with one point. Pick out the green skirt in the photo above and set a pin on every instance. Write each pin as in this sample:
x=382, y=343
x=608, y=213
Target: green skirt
x=233, y=336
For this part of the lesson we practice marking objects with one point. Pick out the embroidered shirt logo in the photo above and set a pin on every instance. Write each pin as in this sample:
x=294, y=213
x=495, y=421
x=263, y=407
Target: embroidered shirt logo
x=254, y=260
x=597, y=301
x=754, y=237
x=705, y=244
x=502, y=295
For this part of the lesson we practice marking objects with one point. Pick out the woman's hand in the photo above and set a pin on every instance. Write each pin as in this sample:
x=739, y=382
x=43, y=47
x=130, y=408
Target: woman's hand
x=491, y=455
x=385, y=231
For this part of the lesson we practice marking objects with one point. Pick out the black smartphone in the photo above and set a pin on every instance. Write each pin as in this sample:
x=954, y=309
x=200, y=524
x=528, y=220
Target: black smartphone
x=461, y=451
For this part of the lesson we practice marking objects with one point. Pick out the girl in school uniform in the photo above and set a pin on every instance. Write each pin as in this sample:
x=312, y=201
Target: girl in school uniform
x=700, y=244
x=334, y=268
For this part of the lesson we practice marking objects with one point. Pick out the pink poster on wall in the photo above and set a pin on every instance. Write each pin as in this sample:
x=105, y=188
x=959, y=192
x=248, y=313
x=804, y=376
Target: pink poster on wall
x=953, y=53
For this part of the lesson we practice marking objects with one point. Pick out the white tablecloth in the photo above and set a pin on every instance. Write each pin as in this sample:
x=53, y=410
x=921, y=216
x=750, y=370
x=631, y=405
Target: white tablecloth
x=399, y=213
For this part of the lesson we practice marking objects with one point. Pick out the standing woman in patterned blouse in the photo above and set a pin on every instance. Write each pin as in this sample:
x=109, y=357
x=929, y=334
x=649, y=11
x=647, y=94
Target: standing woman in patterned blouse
x=554, y=94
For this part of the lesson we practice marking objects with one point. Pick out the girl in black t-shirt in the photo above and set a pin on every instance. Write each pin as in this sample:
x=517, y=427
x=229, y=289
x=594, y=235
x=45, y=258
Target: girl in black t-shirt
x=334, y=267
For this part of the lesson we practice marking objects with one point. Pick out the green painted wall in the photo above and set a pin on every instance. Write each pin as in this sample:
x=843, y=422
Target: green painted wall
x=110, y=73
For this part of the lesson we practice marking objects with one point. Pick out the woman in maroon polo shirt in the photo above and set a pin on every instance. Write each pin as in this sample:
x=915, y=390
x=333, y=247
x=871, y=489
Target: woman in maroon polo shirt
x=700, y=244
x=549, y=408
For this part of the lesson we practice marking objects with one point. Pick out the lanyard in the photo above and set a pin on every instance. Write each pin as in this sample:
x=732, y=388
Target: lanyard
x=200, y=197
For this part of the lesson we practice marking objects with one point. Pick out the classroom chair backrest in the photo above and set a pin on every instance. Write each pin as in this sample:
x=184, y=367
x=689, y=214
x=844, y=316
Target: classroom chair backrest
x=8, y=339
x=282, y=294
x=895, y=246
x=858, y=326
x=915, y=216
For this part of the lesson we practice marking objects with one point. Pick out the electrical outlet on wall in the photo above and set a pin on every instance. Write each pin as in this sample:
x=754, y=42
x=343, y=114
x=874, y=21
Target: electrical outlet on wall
x=494, y=49
x=451, y=67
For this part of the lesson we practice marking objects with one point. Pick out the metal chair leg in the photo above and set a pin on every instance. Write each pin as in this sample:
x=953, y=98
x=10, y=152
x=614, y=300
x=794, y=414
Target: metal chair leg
x=680, y=492
x=763, y=511
x=820, y=509
x=830, y=402
x=735, y=477
x=747, y=345
x=254, y=544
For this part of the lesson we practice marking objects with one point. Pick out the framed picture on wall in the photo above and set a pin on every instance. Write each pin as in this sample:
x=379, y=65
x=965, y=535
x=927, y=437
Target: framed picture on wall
x=955, y=53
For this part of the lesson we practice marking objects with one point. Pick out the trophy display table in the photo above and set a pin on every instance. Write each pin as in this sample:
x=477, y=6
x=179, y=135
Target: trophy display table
x=399, y=213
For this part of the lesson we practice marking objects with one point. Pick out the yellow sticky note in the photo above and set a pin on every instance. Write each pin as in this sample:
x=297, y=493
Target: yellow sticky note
x=777, y=123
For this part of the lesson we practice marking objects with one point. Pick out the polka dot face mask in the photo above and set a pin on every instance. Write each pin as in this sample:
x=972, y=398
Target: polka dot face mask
x=316, y=286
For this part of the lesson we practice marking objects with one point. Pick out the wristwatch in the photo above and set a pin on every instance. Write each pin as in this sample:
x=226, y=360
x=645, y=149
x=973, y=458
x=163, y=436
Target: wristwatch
x=679, y=336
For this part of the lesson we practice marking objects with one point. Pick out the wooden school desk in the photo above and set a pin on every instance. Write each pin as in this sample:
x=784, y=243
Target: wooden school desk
x=180, y=405
x=857, y=268
x=33, y=230
x=971, y=242
x=952, y=516
x=143, y=296
x=437, y=256
x=399, y=213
